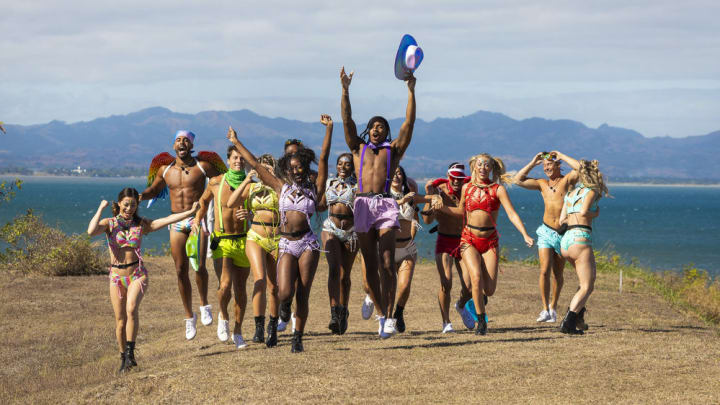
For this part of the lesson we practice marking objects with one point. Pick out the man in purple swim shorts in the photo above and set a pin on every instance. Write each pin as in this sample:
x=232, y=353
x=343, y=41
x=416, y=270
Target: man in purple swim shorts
x=376, y=156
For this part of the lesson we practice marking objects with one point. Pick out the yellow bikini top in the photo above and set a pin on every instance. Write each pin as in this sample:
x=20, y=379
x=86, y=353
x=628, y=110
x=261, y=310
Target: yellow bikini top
x=262, y=197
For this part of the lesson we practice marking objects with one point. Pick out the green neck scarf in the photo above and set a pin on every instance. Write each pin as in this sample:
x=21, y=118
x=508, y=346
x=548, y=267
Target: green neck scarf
x=234, y=178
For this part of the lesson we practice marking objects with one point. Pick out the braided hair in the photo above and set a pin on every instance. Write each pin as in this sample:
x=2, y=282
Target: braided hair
x=592, y=178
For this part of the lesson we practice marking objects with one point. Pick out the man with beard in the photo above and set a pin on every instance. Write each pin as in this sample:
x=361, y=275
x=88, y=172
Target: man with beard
x=184, y=176
x=447, y=246
x=553, y=191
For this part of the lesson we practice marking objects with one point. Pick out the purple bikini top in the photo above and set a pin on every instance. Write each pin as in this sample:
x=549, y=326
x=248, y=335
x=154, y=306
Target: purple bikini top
x=296, y=198
x=386, y=146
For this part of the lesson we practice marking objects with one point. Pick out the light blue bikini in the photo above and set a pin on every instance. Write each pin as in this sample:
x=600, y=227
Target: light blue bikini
x=577, y=234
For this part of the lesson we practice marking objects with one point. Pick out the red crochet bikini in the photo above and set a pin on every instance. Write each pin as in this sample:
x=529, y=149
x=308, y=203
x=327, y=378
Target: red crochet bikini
x=486, y=199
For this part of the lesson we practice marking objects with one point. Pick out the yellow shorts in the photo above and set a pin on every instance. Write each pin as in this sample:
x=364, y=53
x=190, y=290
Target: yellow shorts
x=232, y=246
x=269, y=244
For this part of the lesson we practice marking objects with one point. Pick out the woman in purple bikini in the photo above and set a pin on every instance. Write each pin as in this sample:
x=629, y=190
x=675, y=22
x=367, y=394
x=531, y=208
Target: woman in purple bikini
x=299, y=246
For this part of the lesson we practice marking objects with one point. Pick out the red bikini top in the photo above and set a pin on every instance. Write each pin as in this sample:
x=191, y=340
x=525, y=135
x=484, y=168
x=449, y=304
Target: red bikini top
x=482, y=198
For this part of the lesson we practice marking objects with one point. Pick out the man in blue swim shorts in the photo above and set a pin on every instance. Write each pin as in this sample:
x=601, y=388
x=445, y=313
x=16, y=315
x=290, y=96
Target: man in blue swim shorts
x=552, y=189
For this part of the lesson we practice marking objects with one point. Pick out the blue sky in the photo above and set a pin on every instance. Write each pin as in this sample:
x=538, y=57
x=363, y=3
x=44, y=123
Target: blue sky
x=647, y=65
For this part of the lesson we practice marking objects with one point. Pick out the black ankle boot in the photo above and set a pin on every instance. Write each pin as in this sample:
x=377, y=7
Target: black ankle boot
x=481, y=325
x=123, y=363
x=336, y=313
x=296, y=345
x=569, y=324
x=259, y=329
x=344, y=321
x=580, y=324
x=399, y=319
x=285, y=311
x=130, y=355
x=272, y=332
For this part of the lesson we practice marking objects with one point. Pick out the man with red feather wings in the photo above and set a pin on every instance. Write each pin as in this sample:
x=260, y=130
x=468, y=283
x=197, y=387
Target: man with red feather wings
x=183, y=177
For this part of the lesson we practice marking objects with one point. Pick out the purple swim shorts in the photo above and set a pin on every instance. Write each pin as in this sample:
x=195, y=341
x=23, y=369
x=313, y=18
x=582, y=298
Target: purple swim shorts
x=375, y=212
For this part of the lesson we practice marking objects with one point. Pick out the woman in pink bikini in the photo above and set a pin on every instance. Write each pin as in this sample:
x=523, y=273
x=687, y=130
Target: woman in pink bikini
x=298, y=199
x=128, y=276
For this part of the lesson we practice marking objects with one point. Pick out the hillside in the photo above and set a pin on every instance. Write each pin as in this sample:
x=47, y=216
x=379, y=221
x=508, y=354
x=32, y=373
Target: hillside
x=132, y=140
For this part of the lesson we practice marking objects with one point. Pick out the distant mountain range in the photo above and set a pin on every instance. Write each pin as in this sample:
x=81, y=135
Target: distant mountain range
x=132, y=140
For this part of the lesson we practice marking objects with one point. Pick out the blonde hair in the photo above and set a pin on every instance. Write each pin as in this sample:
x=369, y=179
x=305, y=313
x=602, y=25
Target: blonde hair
x=498, y=170
x=591, y=177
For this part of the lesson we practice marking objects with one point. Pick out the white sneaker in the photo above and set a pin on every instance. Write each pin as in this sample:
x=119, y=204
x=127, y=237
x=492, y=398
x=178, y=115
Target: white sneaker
x=281, y=325
x=190, y=330
x=239, y=341
x=223, y=330
x=389, y=327
x=553, y=316
x=544, y=316
x=467, y=318
x=206, y=315
x=293, y=320
x=447, y=328
x=381, y=328
x=368, y=306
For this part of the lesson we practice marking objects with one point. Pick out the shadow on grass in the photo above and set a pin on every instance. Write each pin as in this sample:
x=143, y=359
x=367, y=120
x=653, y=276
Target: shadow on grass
x=479, y=340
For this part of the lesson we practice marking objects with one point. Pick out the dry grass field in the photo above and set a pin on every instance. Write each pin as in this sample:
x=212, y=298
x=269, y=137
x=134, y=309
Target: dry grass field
x=57, y=345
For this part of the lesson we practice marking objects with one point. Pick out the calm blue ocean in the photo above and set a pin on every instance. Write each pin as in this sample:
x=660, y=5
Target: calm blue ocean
x=663, y=228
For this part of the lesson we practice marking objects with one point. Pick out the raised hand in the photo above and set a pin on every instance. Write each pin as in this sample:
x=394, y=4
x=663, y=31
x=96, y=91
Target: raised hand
x=345, y=79
x=252, y=174
x=326, y=120
x=411, y=83
x=232, y=135
x=103, y=204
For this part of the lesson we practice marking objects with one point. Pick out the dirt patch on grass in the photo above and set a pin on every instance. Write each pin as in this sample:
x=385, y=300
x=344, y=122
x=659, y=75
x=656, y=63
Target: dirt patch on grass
x=58, y=345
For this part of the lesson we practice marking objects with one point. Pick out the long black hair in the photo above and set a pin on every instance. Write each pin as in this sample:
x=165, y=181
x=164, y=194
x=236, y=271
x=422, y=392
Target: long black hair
x=124, y=193
x=365, y=135
x=405, y=184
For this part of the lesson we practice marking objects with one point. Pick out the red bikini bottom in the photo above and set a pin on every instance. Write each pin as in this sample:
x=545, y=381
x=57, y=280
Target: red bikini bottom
x=482, y=245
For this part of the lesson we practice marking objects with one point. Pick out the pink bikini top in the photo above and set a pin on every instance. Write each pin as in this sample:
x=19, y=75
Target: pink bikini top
x=123, y=234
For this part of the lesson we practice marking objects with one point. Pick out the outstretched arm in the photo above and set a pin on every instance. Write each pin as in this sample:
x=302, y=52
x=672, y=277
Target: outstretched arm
x=351, y=137
x=263, y=173
x=171, y=219
x=96, y=226
x=521, y=177
x=405, y=135
x=512, y=215
x=324, y=154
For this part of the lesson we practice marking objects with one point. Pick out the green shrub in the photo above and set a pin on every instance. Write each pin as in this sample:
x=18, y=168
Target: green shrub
x=33, y=247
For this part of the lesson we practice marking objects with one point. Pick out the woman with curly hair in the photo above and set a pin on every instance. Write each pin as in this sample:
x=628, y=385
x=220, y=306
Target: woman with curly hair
x=579, y=209
x=480, y=203
x=298, y=198
x=128, y=276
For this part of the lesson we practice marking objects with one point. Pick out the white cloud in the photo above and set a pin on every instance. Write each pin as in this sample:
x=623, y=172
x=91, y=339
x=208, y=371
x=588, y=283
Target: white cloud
x=587, y=61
